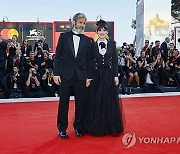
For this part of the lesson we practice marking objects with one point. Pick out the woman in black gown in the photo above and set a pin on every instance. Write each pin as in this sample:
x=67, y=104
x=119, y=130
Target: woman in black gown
x=103, y=114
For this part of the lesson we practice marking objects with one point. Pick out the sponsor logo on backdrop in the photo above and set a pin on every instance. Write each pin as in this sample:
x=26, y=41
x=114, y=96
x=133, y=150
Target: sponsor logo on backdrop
x=34, y=34
x=8, y=33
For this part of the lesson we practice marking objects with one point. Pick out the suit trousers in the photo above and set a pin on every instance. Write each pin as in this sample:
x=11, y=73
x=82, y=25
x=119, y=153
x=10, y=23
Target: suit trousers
x=79, y=89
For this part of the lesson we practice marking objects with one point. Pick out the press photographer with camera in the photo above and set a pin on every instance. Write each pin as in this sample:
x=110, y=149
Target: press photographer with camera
x=16, y=60
x=156, y=49
x=173, y=66
x=151, y=79
x=15, y=83
x=159, y=64
x=141, y=63
x=46, y=63
x=171, y=50
x=41, y=44
x=131, y=49
x=26, y=48
x=131, y=69
x=33, y=88
x=12, y=46
x=31, y=62
x=48, y=83
x=148, y=50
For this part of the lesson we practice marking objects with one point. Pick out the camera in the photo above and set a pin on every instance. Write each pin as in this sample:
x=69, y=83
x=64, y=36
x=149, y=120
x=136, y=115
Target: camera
x=13, y=78
x=16, y=59
x=151, y=44
x=49, y=71
x=149, y=67
x=34, y=73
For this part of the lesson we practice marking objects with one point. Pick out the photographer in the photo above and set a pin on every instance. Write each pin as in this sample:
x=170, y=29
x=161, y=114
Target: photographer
x=33, y=88
x=151, y=79
x=173, y=66
x=13, y=45
x=31, y=62
x=171, y=49
x=48, y=83
x=15, y=82
x=131, y=49
x=41, y=43
x=148, y=50
x=156, y=49
x=141, y=63
x=159, y=64
x=46, y=62
x=16, y=60
x=131, y=69
x=26, y=48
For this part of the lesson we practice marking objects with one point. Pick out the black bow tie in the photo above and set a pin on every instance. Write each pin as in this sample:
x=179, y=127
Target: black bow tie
x=77, y=34
x=103, y=45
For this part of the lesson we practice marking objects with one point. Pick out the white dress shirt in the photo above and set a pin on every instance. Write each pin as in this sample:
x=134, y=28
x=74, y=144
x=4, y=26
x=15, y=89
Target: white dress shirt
x=76, y=40
x=148, y=79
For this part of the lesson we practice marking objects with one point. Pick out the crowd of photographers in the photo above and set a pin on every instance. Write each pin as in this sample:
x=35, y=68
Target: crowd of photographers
x=28, y=72
x=157, y=66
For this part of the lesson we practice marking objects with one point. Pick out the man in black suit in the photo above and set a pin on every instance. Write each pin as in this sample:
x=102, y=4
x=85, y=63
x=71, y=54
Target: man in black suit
x=3, y=47
x=151, y=79
x=164, y=48
x=72, y=71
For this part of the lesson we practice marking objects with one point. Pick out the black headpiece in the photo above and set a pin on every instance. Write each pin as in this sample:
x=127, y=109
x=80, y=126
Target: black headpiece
x=100, y=22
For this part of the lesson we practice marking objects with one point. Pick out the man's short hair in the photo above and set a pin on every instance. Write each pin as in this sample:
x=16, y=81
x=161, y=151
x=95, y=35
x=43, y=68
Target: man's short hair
x=79, y=15
x=32, y=52
x=45, y=51
x=146, y=41
x=16, y=66
x=157, y=41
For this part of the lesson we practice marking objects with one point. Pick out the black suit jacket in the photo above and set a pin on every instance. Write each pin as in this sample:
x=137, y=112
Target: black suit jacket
x=29, y=48
x=65, y=63
x=109, y=59
x=3, y=47
x=164, y=48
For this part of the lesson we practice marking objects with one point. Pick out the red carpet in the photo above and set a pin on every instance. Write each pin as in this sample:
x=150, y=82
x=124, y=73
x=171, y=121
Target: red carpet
x=31, y=128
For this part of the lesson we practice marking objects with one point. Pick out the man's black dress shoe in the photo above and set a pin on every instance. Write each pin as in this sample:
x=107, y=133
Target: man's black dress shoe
x=78, y=133
x=63, y=135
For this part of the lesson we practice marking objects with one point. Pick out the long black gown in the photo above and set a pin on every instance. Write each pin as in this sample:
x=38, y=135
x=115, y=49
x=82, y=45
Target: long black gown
x=103, y=110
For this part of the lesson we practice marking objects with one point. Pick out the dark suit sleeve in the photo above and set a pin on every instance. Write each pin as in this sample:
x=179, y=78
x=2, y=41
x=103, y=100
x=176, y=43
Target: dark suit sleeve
x=163, y=47
x=115, y=60
x=58, y=54
x=3, y=46
x=89, y=61
x=154, y=76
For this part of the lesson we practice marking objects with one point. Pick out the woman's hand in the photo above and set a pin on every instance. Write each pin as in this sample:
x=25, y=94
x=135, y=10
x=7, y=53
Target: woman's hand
x=88, y=82
x=116, y=80
x=57, y=80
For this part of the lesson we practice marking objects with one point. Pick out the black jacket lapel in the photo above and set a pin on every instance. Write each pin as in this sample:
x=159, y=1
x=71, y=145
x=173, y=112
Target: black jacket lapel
x=71, y=44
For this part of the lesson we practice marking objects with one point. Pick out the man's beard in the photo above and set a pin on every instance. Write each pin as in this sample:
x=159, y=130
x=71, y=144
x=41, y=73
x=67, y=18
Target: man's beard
x=79, y=30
